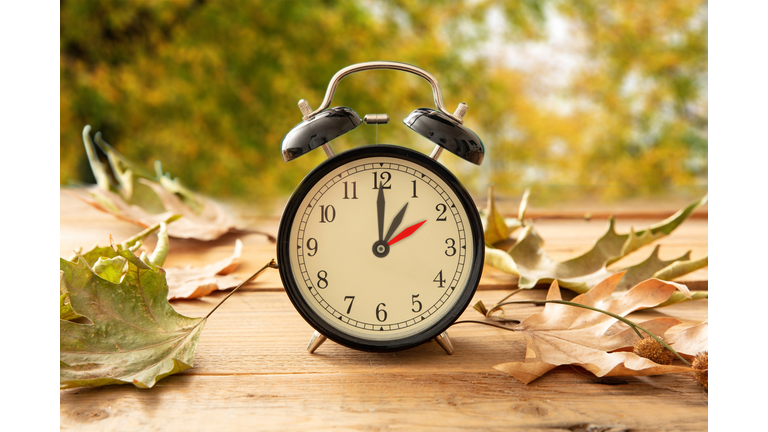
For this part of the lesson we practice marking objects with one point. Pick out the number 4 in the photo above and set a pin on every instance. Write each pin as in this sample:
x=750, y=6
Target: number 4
x=439, y=279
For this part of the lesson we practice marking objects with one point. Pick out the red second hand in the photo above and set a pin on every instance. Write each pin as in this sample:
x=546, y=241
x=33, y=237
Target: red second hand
x=406, y=232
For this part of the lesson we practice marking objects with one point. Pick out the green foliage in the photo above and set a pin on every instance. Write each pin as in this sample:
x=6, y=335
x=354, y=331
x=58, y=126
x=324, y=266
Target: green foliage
x=210, y=87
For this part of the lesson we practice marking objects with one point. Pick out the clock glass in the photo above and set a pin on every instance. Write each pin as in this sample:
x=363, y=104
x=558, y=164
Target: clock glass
x=382, y=248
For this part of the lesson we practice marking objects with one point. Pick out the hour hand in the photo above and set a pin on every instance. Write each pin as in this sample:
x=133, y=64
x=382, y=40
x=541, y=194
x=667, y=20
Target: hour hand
x=396, y=223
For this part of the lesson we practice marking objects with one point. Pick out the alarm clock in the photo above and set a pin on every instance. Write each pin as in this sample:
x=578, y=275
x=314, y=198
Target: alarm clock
x=380, y=248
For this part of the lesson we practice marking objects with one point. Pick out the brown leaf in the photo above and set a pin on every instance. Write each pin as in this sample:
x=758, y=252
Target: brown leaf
x=210, y=225
x=692, y=340
x=203, y=218
x=193, y=282
x=568, y=335
x=527, y=259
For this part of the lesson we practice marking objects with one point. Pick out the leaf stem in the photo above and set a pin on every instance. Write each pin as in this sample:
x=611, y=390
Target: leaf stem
x=634, y=326
x=140, y=236
x=501, y=326
x=271, y=264
x=515, y=291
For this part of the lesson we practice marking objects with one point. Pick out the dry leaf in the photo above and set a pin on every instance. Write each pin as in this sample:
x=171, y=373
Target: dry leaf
x=117, y=326
x=193, y=282
x=527, y=259
x=497, y=228
x=568, y=335
x=210, y=225
x=692, y=340
x=134, y=335
x=203, y=218
x=183, y=282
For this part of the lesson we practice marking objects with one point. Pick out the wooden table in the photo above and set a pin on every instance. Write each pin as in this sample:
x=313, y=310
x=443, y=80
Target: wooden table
x=252, y=371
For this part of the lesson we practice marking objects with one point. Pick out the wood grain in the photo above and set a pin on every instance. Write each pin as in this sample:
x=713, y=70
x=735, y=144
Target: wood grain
x=252, y=370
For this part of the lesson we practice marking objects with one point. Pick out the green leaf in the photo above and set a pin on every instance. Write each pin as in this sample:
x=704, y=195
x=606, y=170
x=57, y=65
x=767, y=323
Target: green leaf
x=132, y=244
x=682, y=267
x=161, y=249
x=110, y=269
x=135, y=336
x=66, y=312
x=527, y=258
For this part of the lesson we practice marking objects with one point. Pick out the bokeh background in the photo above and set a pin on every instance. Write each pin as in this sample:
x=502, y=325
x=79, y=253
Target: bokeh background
x=577, y=99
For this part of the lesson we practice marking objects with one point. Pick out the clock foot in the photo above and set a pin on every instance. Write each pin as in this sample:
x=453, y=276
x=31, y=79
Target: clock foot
x=444, y=342
x=315, y=342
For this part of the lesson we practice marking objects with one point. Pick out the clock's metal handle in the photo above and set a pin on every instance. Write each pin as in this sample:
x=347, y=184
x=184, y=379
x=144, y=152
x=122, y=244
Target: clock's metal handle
x=404, y=67
x=323, y=125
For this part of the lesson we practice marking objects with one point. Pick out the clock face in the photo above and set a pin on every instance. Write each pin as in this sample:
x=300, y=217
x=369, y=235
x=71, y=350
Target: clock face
x=380, y=248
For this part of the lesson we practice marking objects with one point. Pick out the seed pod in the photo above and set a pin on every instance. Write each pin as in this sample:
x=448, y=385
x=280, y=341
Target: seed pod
x=654, y=351
x=701, y=369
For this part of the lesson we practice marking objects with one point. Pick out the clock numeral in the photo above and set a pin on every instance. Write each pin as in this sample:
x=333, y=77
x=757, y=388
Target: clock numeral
x=351, y=300
x=414, y=302
x=322, y=282
x=385, y=178
x=451, y=243
x=439, y=279
x=414, y=189
x=354, y=191
x=380, y=312
x=327, y=214
x=312, y=246
x=441, y=217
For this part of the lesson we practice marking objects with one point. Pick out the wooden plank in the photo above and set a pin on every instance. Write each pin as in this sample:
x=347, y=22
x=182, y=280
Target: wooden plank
x=563, y=400
x=252, y=369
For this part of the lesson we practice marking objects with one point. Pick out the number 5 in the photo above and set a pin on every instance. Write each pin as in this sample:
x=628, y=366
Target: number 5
x=414, y=301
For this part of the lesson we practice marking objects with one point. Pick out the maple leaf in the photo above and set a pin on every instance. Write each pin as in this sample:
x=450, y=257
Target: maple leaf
x=116, y=323
x=183, y=282
x=203, y=218
x=527, y=259
x=568, y=335
x=134, y=335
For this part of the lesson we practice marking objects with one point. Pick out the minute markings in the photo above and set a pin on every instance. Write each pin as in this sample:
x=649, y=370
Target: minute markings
x=310, y=222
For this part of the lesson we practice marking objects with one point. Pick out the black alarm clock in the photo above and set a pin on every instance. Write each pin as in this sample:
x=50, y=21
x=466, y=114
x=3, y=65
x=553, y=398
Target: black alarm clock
x=380, y=248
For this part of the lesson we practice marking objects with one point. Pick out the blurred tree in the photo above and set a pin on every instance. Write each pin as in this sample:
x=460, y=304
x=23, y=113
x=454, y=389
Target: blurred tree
x=210, y=88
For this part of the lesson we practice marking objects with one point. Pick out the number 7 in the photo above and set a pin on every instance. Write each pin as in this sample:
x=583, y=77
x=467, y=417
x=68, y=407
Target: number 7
x=350, y=303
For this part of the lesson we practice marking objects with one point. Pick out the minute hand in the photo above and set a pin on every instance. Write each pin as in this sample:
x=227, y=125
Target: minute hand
x=380, y=213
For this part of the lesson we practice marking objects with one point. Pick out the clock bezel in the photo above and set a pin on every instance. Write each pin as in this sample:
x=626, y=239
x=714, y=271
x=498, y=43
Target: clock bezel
x=289, y=217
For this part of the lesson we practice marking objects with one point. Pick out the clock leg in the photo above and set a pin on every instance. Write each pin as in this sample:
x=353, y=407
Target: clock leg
x=315, y=342
x=444, y=342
